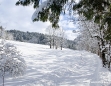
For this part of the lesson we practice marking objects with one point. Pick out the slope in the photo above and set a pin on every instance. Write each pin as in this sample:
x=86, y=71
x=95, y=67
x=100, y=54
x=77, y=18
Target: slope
x=49, y=67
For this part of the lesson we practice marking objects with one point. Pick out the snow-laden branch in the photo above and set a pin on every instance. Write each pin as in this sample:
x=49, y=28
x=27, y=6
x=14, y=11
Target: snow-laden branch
x=43, y=6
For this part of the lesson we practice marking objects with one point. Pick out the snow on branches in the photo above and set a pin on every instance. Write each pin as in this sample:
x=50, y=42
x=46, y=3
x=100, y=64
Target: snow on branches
x=11, y=62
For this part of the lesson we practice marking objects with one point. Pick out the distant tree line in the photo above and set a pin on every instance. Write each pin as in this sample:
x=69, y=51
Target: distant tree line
x=39, y=38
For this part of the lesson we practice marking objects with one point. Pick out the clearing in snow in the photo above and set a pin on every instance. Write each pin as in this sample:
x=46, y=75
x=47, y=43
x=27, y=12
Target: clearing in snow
x=49, y=67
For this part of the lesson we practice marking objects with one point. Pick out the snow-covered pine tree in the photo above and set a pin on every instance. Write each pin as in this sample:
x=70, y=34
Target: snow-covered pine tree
x=11, y=62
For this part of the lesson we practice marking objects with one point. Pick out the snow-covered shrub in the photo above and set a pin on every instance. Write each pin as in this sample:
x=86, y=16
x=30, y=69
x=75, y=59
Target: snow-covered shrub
x=11, y=62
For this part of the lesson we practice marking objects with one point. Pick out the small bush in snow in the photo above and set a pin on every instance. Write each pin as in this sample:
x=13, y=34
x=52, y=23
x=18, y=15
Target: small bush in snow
x=11, y=62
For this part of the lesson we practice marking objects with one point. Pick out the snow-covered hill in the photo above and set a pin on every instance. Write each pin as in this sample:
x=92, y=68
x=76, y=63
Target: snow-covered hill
x=49, y=67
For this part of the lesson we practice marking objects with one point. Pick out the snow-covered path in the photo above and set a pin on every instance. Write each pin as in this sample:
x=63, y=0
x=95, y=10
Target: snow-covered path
x=49, y=67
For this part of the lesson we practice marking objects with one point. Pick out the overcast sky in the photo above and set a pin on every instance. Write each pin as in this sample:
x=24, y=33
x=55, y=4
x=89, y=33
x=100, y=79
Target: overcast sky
x=19, y=18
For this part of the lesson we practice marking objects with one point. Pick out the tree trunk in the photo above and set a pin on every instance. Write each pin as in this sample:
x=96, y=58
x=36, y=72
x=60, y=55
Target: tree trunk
x=3, y=77
x=61, y=47
x=3, y=80
x=56, y=47
x=109, y=65
x=109, y=57
x=103, y=59
x=50, y=44
x=53, y=43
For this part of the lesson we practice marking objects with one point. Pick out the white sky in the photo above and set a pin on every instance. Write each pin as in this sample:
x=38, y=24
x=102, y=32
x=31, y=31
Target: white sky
x=19, y=18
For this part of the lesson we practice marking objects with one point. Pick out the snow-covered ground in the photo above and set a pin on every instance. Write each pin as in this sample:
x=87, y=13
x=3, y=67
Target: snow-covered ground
x=50, y=67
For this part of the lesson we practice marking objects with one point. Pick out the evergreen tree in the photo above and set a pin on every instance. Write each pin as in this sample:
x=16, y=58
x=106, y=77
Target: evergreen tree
x=47, y=10
x=99, y=10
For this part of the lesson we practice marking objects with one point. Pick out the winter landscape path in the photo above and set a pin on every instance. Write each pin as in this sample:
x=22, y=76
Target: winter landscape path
x=49, y=67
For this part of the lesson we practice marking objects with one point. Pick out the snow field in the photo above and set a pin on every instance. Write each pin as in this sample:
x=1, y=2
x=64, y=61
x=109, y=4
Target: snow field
x=50, y=67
